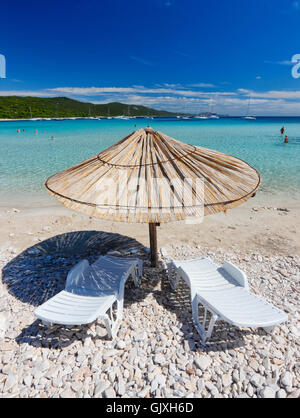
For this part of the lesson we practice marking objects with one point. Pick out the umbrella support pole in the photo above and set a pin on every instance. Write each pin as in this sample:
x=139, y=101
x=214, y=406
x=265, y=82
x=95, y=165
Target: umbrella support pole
x=153, y=244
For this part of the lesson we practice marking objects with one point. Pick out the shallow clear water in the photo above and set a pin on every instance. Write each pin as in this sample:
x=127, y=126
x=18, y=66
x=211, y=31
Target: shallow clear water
x=28, y=158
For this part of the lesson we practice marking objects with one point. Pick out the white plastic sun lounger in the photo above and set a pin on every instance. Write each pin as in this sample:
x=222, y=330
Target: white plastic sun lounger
x=224, y=292
x=90, y=293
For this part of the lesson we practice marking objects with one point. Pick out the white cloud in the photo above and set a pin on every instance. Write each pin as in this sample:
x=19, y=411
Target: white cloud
x=284, y=62
x=142, y=61
x=93, y=91
x=235, y=106
x=42, y=93
x=183, y=54
x=203, y=85
x=171, y=86
x=273, y=94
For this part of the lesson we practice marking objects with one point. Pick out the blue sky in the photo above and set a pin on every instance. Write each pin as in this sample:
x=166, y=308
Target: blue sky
x=181, y=55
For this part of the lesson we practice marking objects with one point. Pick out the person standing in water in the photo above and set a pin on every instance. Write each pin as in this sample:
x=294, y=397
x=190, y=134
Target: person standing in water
x=286, y=139
x=282, y=130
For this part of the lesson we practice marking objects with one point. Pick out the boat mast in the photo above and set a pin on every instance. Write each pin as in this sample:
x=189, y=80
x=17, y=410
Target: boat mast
x=248, y=108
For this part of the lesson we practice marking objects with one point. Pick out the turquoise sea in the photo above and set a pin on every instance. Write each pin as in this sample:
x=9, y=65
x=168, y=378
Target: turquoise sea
x=28, y=158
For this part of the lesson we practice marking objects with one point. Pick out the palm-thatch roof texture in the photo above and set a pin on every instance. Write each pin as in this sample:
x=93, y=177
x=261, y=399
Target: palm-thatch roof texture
x=148, y=177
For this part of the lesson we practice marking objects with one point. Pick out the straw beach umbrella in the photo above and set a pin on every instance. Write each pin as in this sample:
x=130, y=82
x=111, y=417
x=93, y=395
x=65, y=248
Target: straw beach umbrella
x=148, y=177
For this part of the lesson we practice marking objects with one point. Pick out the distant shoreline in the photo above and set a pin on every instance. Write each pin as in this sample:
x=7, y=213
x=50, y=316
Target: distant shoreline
x=191, y=117
x=75, y=118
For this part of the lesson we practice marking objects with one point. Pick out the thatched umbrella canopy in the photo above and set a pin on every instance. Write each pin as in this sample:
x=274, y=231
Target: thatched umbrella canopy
x=148, y=177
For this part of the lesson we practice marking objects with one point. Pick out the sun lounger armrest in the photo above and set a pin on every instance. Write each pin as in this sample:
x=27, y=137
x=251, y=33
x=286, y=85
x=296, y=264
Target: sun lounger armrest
x=75, y=271
x=237, y=274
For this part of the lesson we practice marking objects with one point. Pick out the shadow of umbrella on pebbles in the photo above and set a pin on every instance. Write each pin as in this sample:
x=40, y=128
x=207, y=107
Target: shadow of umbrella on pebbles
x=40, y=272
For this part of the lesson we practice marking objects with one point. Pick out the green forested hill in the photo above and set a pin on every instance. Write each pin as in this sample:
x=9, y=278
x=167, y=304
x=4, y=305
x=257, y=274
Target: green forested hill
x=14, y=107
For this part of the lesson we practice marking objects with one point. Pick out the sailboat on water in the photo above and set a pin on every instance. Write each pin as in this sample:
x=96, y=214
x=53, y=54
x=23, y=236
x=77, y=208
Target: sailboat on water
x=212, y=115
x=208, y=115
x=201, y=116
x=185, y=116
x=248, y=117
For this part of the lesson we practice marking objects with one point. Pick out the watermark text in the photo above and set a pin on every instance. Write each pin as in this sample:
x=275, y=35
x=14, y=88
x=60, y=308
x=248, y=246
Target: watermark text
x=296, y=67
x=133, y=196
x=2, y=66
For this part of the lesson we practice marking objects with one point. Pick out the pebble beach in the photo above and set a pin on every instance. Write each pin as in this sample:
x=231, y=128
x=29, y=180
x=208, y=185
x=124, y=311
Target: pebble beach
x=157, y=352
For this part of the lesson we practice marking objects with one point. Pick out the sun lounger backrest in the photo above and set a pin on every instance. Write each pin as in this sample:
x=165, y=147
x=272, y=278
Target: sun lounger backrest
x=112, y=270
x=73, y=274
x=238, y=275
x=84, y=280
x=103, y=277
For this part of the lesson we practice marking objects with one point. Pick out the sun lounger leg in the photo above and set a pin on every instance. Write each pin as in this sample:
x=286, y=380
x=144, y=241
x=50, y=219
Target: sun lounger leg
x=108, y=325
x=204, y=335
x=113, y=321
x=111, y=325
x=199, y=327
x=140, y=269
x=137, y=276
x=213, y=320
x=269, y=330
x=120, y=304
